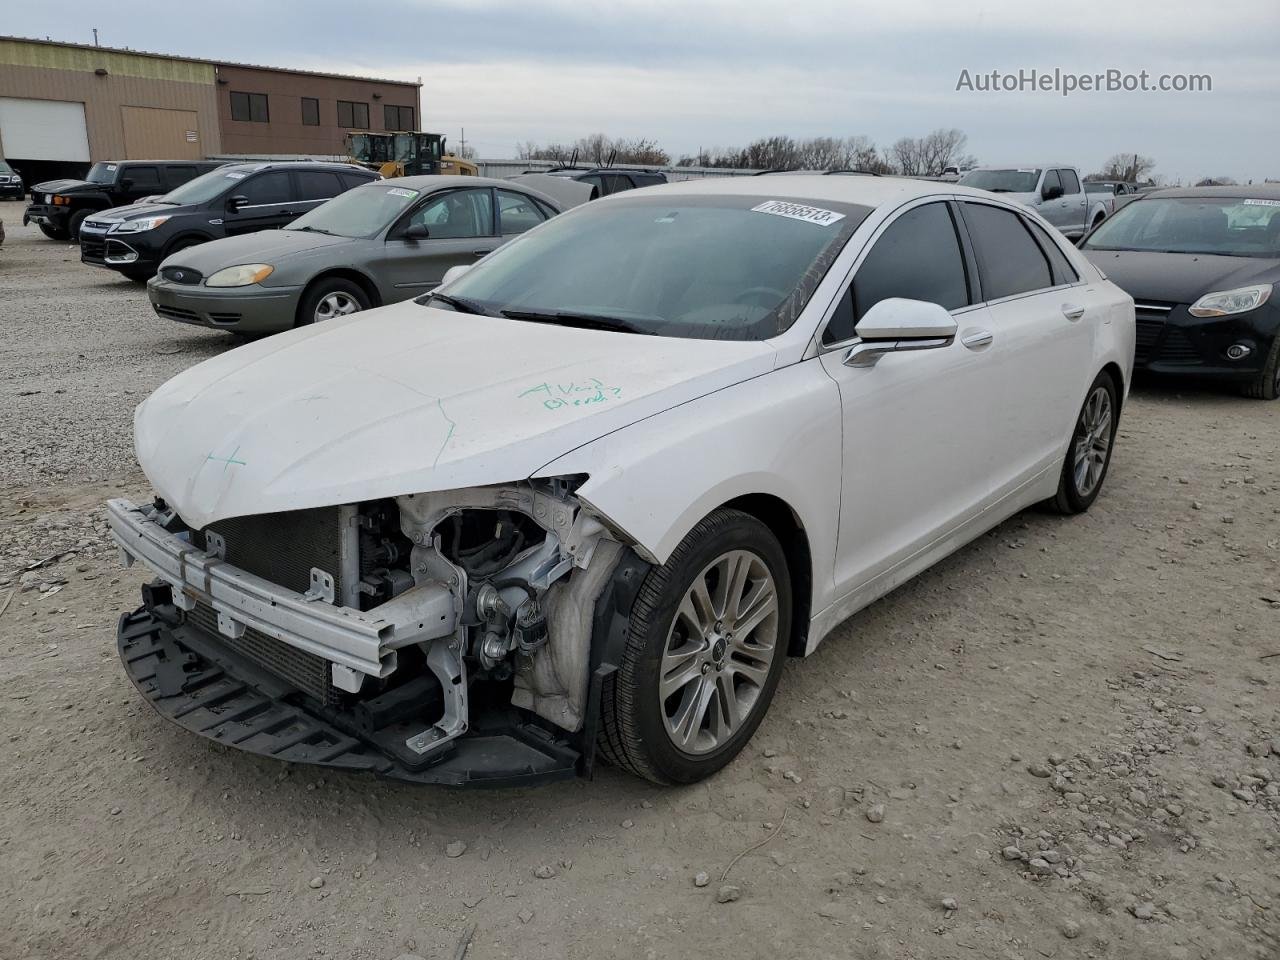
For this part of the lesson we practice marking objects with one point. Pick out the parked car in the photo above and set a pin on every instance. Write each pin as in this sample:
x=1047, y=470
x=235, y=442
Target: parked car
x=377, y=244
x=10, y=182
x=591, y=493
x=59, y=207
x=568, y=193
x=607, y=180
x=1202, y=264
x=232, y=200
x=1054, y=192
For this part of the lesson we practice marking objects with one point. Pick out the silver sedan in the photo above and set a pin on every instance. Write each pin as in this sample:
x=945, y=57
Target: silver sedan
x=378, y=244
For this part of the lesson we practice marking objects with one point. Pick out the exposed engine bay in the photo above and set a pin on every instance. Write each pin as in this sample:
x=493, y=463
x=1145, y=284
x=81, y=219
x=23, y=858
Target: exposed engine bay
x=491, y=594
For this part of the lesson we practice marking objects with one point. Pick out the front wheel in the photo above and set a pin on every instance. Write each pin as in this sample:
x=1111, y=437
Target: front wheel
x=704, y=651
x=1089, y=455
x=1266, y=385
x=330, y=299
x=53, y=233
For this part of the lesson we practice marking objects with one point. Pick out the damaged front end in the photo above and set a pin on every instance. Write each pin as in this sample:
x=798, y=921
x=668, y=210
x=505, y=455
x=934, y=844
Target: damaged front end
x=456, y=637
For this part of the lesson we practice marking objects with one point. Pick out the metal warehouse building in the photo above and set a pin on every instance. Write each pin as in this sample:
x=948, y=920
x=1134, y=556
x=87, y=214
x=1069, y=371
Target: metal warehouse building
x=63, y=105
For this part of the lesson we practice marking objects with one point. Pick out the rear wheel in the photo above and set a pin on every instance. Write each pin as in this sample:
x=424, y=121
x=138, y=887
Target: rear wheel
x=704, y=651
x=329, y=299
x=1089, y=455
x=53, y=233
x=1266, y=385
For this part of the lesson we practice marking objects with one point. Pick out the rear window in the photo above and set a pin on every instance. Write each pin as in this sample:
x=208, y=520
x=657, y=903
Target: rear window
x=1022, y=180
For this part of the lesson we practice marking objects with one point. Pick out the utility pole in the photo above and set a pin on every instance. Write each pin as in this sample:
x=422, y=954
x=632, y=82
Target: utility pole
x=462, y=150
x=95, y=36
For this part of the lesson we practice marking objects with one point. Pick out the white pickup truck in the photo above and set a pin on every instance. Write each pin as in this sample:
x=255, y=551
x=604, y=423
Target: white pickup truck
x=1054, y=192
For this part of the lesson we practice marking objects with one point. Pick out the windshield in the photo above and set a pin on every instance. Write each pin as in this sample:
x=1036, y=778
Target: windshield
x=718, y=268
x=204, y=187
x=1227, y=226
x=101, y=173
x=5, y=168
x=361, y=212
x=1002, y=181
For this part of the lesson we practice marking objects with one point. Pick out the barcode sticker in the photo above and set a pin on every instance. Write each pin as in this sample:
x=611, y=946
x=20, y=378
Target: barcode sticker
x=799, y=211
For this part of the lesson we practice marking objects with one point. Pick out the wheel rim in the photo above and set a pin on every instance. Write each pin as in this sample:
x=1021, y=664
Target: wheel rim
x=719, y=651
x=336, y=304
x=1093, y=441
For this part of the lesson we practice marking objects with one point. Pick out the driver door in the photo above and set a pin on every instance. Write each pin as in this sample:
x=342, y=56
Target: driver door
x=461, y=229
x=917, y=425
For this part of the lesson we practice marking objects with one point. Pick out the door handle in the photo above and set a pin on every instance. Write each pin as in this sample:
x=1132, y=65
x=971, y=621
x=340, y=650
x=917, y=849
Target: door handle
x=978, y=339
x=1072, y=312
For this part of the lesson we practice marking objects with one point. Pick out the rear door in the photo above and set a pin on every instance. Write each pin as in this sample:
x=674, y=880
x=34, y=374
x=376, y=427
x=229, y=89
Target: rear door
x=268, y=202
x=461, y=228
x=312, y=188
x=1041, y=339
x=137, y=181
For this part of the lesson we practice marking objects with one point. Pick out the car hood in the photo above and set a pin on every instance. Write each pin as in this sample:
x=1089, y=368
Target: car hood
x=136, y=210
x=265, y=246
x=66, y=186
x=1179, y=277
x=408, y=399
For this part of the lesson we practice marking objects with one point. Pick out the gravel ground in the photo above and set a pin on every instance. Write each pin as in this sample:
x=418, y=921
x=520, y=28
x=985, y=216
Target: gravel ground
x=1064, y=741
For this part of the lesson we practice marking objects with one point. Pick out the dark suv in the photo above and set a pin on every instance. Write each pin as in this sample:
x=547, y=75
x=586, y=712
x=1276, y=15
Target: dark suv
x=58, y=207
x=609, y=180
x=236, y=198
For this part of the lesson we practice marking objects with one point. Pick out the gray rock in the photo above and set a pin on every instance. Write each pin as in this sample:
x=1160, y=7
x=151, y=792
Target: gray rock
x=949, y=904
x=1143, y=911
x=701, y=879
x=316, y=883
x=1070, y=929
x=1011, y=853
x=875, y=812
x=628, y=824
x=455, y=849
x=1039, y=867
x=544, y=872
x=1244, y=794
x=1259, y=749
x=728, y=893
x=1039, y=770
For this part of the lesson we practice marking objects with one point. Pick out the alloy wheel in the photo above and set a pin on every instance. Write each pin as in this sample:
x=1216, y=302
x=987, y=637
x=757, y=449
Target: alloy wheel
x=1093, y=441
x=336, y=304
x=721, y=644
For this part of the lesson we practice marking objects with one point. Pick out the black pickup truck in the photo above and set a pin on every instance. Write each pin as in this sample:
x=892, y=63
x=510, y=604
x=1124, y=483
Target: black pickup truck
x=58, y=207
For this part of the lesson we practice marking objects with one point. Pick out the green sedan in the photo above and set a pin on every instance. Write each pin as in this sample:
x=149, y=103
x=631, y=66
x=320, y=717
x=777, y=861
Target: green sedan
x=377, y=244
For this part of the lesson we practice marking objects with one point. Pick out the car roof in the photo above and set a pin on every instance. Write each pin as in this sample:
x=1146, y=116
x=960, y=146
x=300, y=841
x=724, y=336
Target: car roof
x=252, y=166
x=434, y=181
x=867, y=191
x=1259, y=191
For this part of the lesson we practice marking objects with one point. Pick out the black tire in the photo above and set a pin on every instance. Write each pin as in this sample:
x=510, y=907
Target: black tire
x=327, y=287
x=1074, y=495
x=73, y=223
x=633, y=732
x=1266, y=385
x=1097, y=220
x=53, y=233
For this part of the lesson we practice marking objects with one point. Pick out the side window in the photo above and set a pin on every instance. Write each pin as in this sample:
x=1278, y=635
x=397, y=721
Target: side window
x=456, y=215
x=1063, y=272
x=178, y=174
x=517, y=213
x=1010, y=260
x=1051, y=180
x=317, y=184
x=350, y=180
x=1070, y=182
x=145, y=179
x=918, y=258
x=264, y=188
x=617, y=182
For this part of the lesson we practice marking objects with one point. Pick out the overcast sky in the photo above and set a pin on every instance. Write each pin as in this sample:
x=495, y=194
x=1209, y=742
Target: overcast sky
x=705, y=73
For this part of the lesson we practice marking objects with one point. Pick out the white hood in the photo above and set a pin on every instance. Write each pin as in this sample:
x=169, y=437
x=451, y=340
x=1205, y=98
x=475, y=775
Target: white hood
x=407, y=399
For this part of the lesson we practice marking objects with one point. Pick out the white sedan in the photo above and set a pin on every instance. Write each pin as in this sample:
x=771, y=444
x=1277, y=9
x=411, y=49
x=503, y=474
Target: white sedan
x=584, y=499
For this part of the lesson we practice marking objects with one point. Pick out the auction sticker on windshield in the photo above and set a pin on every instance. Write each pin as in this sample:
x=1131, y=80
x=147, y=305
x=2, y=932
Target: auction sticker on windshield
x=1262, y=203
x=402, y=192
x=799, y=211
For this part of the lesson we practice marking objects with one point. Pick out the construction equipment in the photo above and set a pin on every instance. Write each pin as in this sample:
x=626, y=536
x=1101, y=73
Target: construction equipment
x=406, y=154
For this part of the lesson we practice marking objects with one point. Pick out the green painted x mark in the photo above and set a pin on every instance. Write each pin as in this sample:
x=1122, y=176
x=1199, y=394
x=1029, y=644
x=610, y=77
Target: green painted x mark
x=226, y=461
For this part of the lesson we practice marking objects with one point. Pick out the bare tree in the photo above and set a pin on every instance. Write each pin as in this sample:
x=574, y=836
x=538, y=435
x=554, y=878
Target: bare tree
x=930, y=155
x=1216, y=182
x=1130, y=167
x=597, y=150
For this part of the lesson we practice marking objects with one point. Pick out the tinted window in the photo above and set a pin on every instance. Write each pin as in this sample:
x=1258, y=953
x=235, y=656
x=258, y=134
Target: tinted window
x=918, y=258
x=517, y=213
x=1010, y=260
x=1003, y=181
x=270, y=187
x=249, y=107
x=310, y=112
x=178, y=174
x=144, y=179
x=353, y=115
x=1070, y=182
x=317, y=184
x=462, y=213
x=616, y=183
x=350, y=180
x=1063, y=272
x=397, y=118
x=1051, y=180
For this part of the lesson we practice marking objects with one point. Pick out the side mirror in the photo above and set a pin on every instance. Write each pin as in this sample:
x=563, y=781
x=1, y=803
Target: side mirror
x=415, y=232
x=453, y=273
x=897, y=325
x=236, y=202
x=1051, y=193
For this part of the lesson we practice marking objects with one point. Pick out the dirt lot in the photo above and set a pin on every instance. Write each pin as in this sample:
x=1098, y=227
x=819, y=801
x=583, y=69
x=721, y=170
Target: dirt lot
x=1061, y=742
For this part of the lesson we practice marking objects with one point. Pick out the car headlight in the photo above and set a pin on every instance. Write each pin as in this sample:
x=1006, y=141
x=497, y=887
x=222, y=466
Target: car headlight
x=137, y=226
x=241, y=275
x=1226, y=302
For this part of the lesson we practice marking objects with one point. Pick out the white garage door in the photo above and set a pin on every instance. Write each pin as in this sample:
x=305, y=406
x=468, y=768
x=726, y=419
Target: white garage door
x=43, y=130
